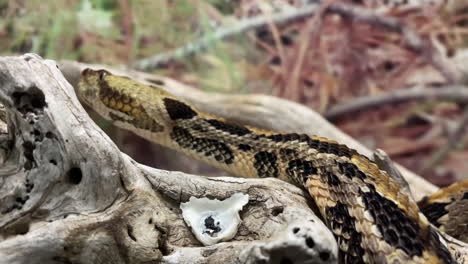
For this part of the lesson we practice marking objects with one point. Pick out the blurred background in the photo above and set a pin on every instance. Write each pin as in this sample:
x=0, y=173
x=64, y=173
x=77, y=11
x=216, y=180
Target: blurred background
x=326, y=62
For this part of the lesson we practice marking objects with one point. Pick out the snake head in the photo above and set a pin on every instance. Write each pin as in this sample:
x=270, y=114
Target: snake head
x=90, y=84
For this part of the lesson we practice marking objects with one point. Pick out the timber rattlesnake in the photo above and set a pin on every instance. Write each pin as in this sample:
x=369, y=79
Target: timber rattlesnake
x=372, y=218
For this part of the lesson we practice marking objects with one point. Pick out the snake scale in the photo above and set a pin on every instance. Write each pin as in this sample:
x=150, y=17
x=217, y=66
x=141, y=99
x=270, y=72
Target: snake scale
x=372, y=218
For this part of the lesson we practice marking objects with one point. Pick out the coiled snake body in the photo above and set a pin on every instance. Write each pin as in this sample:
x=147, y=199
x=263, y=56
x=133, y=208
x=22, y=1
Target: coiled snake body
x=373, y=220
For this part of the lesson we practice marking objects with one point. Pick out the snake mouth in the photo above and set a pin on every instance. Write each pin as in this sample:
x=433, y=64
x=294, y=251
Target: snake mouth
x=88, y=85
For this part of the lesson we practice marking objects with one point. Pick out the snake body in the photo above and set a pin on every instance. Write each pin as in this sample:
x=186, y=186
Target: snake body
x=447, y=210
x=373, y=220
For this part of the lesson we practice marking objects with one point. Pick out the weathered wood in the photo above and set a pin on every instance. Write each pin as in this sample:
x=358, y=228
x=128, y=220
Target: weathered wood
x=68, y=195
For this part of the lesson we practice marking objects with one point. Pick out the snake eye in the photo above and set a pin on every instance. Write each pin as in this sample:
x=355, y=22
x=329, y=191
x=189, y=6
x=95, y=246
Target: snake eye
x=102, y=74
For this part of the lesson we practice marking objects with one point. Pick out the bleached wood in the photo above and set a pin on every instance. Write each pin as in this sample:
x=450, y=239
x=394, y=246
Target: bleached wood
x=68, y=195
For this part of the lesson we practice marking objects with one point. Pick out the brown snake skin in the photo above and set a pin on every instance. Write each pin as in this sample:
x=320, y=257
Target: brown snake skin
x=447, y=210
x=373, y=220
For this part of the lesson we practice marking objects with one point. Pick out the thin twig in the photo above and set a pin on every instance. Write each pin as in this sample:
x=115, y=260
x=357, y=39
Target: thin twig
x=454, y=140
x=127, y=27
x=454, y=93
x=368, y=16
x=221, y=34
x=410, y=38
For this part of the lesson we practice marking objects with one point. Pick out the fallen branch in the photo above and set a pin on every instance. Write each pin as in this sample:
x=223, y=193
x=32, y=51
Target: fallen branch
x=242, y=26
x=453, y=93
x=68, y=195
x=359, y=14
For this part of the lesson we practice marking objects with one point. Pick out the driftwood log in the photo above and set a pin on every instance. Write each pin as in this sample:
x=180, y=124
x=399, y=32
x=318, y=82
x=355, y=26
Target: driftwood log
x=68, y=195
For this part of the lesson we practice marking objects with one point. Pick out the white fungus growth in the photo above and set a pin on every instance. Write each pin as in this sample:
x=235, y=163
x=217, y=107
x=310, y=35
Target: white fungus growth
x=213, y=221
